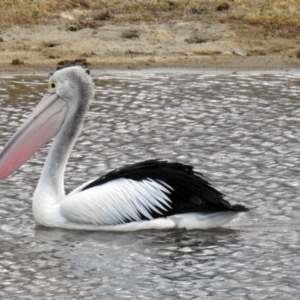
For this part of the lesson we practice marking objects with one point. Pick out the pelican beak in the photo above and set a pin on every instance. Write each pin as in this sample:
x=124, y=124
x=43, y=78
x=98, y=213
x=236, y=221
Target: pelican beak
x=41, y=125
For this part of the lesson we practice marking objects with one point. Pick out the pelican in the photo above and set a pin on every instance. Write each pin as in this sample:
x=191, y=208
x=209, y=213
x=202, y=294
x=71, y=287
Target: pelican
x=153, y=194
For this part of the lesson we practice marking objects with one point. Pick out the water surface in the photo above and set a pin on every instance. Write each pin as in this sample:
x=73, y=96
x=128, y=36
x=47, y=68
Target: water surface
x=240, y=129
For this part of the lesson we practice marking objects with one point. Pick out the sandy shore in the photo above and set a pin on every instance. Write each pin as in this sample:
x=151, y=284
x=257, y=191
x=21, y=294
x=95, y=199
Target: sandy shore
x=170, y=44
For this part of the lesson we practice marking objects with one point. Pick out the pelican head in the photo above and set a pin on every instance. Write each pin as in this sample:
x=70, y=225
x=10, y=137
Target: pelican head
x=70, y=92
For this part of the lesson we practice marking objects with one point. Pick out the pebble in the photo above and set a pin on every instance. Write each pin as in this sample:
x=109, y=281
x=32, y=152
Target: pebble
x=240, y=52
x=101, y=16
x=17, y=62
x=67, y=17
x=129, y=34
x=223, y=6
x=72, y=27
x=226, y=53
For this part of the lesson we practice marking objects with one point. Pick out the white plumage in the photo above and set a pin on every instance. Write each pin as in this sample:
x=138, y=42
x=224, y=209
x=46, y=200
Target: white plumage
x=115, y=201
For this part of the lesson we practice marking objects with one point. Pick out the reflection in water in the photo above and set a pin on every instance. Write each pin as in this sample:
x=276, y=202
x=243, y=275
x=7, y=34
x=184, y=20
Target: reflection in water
x=112, y=259
x=240, y=129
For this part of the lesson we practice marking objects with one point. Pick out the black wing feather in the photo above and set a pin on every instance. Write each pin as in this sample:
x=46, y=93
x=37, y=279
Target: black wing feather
x=190, y=191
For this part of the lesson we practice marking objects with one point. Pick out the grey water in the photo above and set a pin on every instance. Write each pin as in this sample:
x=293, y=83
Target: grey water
x=240, y=129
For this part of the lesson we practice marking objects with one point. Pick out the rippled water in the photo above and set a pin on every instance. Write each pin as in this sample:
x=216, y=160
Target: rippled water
x=242, y=130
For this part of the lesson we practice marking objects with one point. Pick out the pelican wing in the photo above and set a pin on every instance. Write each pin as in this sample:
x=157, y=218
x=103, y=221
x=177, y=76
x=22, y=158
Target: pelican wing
x=117, y=202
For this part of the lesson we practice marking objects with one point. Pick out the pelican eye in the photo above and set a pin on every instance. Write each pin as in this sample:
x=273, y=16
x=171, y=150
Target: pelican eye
x=52, y=86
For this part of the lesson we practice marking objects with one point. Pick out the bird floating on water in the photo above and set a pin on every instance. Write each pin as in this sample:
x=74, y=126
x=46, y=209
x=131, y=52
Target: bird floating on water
x=154, y=194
